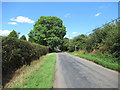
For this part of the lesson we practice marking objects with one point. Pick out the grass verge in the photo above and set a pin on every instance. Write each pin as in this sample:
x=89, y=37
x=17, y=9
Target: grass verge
x=40, y=74
x=104, y=61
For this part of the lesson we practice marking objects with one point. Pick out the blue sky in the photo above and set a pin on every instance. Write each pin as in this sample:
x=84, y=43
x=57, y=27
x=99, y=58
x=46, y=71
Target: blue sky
x=78, y=17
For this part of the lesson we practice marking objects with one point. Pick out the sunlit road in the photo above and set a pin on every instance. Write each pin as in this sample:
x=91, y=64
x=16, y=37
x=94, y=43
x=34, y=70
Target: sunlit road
x=75, y=72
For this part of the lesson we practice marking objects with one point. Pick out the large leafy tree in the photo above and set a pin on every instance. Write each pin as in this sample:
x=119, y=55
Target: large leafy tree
x=13, y=34
x=48, y=31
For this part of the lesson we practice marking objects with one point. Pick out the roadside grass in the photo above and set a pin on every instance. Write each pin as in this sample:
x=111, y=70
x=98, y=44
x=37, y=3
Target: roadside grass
x=107, y=62
x=38, y=75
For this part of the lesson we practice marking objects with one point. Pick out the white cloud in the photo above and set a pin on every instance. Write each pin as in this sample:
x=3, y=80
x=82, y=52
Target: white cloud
x=12, y=23
x=67, y=15
x=22, y=19
x=4, y=32
x=74, y=32
x=97, y=14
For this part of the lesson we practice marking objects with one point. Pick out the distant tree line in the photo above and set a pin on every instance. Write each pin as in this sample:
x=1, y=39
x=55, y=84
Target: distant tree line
x=14, y=34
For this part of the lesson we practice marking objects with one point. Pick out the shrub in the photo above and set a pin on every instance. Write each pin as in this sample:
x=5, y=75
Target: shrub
x=17, y=52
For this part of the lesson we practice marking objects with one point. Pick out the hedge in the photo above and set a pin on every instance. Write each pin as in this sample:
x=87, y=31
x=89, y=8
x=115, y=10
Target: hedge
x=17, y=52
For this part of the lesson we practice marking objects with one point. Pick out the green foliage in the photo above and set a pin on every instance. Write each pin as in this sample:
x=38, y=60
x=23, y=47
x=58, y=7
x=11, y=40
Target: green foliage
x=103, y=40
x=23, y=37
x=16, y=53
x=48, y=31
x=13, y=34
x=77, y=43
x=65, y=44
x=71, y=46
x=80, y=41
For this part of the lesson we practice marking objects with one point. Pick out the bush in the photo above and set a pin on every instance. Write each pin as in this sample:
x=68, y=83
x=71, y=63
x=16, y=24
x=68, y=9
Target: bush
x=16, y=53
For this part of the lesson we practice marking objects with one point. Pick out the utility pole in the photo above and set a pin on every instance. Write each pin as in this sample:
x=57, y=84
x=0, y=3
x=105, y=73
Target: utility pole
x=69, y=40
x=75, y=48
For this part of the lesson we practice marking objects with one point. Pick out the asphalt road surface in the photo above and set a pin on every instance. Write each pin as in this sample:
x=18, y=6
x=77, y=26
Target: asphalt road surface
x=75, y=72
